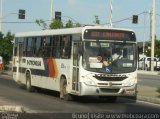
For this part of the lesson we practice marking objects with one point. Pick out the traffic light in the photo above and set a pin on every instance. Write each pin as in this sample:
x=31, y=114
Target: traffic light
x=58, y=15
x=21, y=14
x=135, y=19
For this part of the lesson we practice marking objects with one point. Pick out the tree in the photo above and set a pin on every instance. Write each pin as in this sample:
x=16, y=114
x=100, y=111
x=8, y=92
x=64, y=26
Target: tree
x=41, y=23
x=78, y=25
x=6, y=47
x=1, y=36
x=157, y=48
x=56, y=24
x=69, y=24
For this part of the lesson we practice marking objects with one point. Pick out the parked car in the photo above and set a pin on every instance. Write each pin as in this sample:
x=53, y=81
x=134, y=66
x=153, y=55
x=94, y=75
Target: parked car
x=145, y=63
x=158, y=64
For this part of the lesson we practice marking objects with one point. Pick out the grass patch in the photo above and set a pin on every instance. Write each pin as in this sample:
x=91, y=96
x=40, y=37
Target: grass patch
x=4, y=72
x=158, y=90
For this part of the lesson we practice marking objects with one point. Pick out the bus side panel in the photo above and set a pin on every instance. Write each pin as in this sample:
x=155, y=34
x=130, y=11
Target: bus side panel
x=45, y=73
x=52, y=81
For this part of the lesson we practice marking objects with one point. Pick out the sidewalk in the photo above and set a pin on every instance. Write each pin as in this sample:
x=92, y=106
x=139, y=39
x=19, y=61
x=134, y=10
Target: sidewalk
x=149, y=72
x=146, y=93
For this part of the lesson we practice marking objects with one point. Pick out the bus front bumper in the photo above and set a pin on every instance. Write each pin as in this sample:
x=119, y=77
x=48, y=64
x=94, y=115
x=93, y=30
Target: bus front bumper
x=88, y=90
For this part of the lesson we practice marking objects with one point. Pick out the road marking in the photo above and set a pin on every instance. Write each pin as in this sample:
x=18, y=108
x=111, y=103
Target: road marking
x=148, y=103
x=12, y=108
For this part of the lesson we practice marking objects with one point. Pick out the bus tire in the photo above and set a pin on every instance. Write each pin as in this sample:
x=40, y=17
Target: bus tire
x=63, y=89
x=29, y=87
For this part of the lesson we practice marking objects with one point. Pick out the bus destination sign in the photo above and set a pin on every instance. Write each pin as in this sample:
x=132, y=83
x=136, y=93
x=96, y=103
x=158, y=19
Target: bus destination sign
x=109, y=35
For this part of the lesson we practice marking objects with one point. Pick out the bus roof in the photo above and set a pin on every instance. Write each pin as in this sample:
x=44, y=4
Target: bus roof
x=65, y=31
x=50, y=32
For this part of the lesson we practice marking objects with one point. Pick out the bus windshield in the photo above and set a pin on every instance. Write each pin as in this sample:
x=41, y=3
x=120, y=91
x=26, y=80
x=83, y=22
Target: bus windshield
x=109, y=57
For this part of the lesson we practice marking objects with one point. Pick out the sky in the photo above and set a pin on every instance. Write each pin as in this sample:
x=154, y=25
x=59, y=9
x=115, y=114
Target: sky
x=82, y=11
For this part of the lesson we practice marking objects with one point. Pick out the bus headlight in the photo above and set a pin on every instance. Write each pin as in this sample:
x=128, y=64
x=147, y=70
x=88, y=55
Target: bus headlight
x=130, y=83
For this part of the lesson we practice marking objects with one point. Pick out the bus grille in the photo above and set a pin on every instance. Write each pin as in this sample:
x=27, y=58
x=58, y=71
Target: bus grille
x=107, y=90
x=110, y=78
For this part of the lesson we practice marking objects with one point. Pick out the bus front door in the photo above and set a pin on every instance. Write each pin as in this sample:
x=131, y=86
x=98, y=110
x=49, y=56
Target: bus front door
x=18, y=61
x=75, y=74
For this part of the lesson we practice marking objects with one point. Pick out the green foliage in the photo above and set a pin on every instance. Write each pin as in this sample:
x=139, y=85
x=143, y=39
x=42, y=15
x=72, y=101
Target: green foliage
x=41, y=23
x=69, y=24
x=6, y=47
x=1, y=36
x=78, y=25
x=157, y=48
x=158, y=90
x=148, y=50
x=56, y=24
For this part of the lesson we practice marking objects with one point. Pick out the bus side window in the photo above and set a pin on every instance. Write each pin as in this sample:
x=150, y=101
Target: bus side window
x=41, y=47
x=57, y=51
x=34, y=41
x=53, y=46
x=29, y=47
x=47, y=52
x=38, y=45
x=66, y=46
x=25, y=47
x=60, y=46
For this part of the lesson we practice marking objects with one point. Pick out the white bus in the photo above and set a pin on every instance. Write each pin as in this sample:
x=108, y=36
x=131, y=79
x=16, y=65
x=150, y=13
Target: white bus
x=78, y=61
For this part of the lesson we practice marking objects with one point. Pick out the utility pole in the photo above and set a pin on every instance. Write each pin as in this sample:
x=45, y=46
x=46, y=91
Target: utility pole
x=51, y=11
x=153, y=33
x=144, y=33
x=110, y=13
x=1, y=15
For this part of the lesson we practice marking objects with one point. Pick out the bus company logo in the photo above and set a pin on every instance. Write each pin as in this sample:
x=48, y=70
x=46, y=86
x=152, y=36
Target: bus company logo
x=110, y=83
x=32, y=62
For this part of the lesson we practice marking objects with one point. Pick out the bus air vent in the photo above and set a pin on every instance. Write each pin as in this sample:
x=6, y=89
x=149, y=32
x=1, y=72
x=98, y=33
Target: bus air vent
x=110, y=78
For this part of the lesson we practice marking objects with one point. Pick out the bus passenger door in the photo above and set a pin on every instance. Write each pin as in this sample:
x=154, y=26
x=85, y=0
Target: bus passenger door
x=75, y=74
x=19, y=52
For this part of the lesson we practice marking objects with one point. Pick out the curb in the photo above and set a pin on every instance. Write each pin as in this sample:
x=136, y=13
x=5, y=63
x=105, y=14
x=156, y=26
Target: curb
x=8, y=108
x=148, y=99
x=148, y=72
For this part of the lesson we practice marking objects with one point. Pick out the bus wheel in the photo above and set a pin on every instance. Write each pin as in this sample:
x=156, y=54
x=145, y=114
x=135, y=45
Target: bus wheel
x=63, y=89
x=28, y=83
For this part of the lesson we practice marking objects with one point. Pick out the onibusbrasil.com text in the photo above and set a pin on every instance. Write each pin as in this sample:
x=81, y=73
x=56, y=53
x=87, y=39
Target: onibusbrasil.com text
x=114, y=116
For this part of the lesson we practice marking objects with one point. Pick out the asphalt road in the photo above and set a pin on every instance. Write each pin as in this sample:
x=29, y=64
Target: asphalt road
x=49, y=102
x=149, y=80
